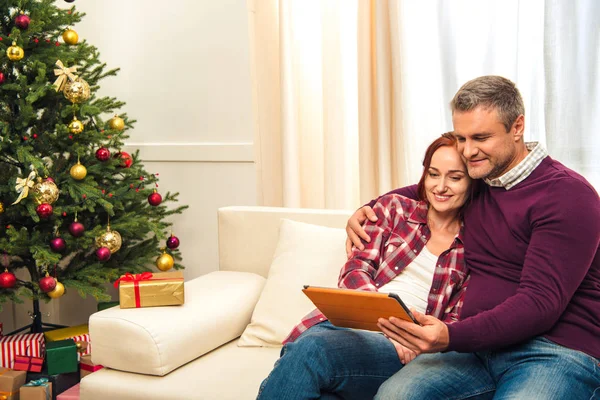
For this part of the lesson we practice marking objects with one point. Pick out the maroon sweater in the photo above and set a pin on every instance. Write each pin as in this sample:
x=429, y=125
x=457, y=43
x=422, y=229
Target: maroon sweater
x=535, y=269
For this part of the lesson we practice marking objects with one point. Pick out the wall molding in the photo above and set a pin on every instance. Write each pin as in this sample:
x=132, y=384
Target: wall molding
x=193, y=152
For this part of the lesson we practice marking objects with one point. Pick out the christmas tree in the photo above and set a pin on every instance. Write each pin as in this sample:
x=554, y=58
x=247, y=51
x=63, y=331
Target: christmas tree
x=75, y=210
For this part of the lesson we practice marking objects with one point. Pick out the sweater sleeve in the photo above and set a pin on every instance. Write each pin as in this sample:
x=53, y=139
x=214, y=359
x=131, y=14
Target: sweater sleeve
x=406, y=191
x=564, y=241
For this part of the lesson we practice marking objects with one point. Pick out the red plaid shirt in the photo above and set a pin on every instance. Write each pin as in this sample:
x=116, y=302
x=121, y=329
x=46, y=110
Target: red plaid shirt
x=397, y=237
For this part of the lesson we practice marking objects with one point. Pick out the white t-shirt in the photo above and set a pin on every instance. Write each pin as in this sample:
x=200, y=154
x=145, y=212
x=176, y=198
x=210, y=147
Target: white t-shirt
x=414, y=282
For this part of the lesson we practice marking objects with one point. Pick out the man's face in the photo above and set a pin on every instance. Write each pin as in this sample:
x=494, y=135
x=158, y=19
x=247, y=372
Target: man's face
x=483, y=143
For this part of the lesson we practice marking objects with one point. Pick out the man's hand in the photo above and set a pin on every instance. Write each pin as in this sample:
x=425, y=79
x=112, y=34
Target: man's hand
x=432, y=337
x=355, y=230
x=405, y=355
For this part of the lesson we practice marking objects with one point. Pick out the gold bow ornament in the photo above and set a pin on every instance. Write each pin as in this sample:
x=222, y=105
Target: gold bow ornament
x=63, y=73
x=23, y=186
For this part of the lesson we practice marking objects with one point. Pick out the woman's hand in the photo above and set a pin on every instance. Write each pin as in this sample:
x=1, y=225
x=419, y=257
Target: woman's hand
x=405, y=355
x=355, y=230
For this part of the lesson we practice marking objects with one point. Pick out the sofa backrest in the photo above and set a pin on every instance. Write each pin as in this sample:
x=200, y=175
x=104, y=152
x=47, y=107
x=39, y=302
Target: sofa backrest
x=248, y=235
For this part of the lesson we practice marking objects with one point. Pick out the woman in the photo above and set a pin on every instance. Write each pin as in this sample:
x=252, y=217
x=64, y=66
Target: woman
x=416, y=251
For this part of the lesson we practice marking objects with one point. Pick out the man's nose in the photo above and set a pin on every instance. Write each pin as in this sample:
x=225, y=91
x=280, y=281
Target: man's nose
x=469, y=149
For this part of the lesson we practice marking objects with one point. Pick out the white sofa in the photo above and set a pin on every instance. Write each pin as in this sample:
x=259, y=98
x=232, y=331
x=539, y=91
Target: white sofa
x=191, y=351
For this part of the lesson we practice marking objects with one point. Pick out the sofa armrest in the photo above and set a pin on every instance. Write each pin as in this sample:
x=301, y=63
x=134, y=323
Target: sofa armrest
x=156, y=340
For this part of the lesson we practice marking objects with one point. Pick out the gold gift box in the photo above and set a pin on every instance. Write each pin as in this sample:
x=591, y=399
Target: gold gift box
x=160, y=289
x=66, y=333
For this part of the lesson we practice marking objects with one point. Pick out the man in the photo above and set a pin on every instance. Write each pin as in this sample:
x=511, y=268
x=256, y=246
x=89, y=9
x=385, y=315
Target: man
x=530, y=325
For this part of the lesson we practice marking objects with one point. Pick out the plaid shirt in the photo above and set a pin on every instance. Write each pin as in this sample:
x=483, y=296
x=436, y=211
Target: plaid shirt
x=516, y=175
x=397, y=237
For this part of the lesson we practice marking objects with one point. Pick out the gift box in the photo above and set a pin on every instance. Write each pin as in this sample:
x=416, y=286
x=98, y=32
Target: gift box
x=103, y=305
x=10, y=382
x=61, y=357
x=150, y=289
x=79, y=333
x=28, y=363
x=86, y=366
x=26, y=344
x=40, y=389
x=60, y=382
x=71, y=394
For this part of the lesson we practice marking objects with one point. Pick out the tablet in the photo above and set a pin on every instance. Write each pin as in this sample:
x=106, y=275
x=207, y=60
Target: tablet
x=356, y=308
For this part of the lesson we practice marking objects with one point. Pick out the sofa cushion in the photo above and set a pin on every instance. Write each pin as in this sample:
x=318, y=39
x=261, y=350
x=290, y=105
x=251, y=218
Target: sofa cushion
x=157, y=340
x=305, y=255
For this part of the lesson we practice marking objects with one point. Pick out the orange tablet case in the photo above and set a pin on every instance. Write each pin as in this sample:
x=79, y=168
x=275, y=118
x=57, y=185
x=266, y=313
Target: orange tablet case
x=357, y=309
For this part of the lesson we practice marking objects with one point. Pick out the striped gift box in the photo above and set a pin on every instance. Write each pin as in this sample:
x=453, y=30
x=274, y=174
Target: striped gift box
x=84, y=338
x=26, y=344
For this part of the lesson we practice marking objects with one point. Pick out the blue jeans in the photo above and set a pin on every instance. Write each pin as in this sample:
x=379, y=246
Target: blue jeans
x=537, y=369
x=331, y=362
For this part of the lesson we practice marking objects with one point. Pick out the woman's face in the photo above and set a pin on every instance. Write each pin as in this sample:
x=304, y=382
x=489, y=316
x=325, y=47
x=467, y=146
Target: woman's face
x=446, y=181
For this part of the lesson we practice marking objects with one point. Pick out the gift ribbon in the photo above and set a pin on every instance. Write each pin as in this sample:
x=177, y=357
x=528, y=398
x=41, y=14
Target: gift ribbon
x=23, y=186
x=136, y=279
x=63, y=73
x=41, y=382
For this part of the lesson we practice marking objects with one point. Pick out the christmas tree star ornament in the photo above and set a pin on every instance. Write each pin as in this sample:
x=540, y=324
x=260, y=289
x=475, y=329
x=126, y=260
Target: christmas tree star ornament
x=78, y=171
x=45, y=191
x=110, y=239
x=57, y=292
x=23, y=185
x=47, y=283
x=44, y=211
x=70, y=36
x=77, y=91
x=155, y=198
x=8, y=280
x=116, y=123
x=76, y=126
x=22, y=21
x=64, y=74
x=165, y=262
x=14, y=52
x=173, y=242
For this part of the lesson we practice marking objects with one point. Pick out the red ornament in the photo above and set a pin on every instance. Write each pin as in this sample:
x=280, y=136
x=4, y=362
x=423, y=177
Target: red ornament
x=50, y=179
x=47, y=284
x=7, y=280
x=173, y=242
x=155, y=198
x=58, y=244
x=103, y=253
x=2, y=78
x=76, y=229
x=126, y=159
x=102, y=154
x=44, y=210
x=22, y=21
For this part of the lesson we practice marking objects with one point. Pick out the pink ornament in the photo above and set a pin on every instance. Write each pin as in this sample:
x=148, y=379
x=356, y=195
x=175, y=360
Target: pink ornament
x=58, y=244
x=2, y=78
x=155, y=198
x=47, y=284
x=103, y=253
x=102, y=154
x=22, y=21
x=44, y=210
x=76, y=229
x=7, y=280
x=173, y=242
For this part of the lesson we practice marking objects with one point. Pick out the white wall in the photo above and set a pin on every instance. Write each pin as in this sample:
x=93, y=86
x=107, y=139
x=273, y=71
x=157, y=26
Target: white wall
x=185, y=75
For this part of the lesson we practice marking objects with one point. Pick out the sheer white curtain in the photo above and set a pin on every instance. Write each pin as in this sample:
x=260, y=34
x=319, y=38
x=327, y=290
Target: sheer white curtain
x=551, y=49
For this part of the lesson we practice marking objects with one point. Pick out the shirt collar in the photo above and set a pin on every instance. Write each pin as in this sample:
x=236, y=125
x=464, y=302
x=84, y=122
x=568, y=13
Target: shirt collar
x=522, y=170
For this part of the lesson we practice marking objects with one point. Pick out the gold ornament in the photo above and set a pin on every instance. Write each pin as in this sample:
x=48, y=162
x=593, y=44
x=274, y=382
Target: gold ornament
x=23, y=186
x=109, y=239
x=63, y=74
x=76, y=126
x=70, y=36
x=116, y=123
x=1, y=207
x=78, y=171
x=165, y=262
x=58, y=291
x=45, y=191
x=14, y=52
x=77, y=91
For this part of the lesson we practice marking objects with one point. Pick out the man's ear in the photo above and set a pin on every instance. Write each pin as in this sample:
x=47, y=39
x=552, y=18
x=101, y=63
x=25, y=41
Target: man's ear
x=518, y=128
